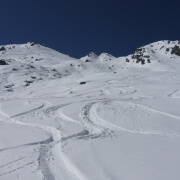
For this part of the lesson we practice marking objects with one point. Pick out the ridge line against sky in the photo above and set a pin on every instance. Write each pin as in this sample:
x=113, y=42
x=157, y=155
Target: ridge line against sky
x=79, y=27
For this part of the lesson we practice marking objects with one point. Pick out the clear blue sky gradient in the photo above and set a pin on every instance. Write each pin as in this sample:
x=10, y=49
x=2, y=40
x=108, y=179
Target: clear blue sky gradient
x=77, y=27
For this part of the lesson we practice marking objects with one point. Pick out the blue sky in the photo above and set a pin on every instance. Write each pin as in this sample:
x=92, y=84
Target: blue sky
x=77, y=27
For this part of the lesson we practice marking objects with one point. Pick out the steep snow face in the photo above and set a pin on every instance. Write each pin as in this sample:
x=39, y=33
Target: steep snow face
x=98, y=117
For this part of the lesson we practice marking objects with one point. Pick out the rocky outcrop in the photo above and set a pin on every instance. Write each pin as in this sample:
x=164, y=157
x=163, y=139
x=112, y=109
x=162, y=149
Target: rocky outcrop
x=2, y=49
x=140, y=57
x=3, y=62
x=176, y=50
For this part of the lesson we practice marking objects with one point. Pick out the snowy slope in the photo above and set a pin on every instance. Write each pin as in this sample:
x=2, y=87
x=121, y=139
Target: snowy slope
x=98, y=117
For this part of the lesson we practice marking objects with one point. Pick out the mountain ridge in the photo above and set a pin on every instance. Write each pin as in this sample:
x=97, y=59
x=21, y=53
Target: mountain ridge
x=35, y=60
x=164, y=44
x=97, y=117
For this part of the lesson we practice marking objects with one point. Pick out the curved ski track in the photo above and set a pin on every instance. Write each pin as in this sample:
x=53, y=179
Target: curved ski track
x=94, y=127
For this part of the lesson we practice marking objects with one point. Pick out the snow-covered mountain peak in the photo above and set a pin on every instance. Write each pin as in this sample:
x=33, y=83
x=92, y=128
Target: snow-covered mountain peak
x=31, y=63
x=32, y=53
x=94, y=57
x=90, y=57
x=106, y=57
x=155, y=52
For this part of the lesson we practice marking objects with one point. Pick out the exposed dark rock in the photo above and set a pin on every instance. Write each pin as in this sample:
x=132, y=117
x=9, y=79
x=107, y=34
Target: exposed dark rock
x=82, y=83
x=29, y=81
x=39, y=59
x=147, y=56
x=14, y=69
x=2, y=49
x=176, y=50
x=9, y=90
x=167, y=49
x=3, y=62
x=31, y=66
x=139, y=49
x=26, y=84
x=87, y=60
x=162, y=47
x=9, y=85
x=137, y=61
x=140, y=56
x=142, y=61
x=33, y=43
x=33, y=77
x=127, y=60
x=149, y=61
